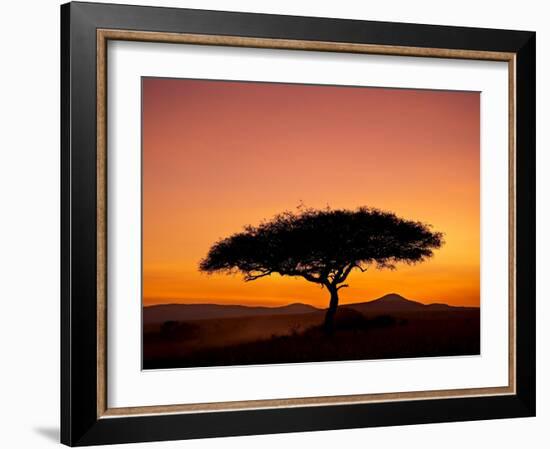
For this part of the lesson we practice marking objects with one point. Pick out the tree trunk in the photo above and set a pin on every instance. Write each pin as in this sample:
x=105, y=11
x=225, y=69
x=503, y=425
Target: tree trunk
x=331, y=311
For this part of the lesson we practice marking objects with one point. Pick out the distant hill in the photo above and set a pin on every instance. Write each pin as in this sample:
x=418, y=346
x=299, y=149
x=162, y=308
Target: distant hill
x=389, y=303
x=396, y=303
x=189, y=312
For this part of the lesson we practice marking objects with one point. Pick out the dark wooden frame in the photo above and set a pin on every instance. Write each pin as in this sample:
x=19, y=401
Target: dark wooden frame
x=84, y=418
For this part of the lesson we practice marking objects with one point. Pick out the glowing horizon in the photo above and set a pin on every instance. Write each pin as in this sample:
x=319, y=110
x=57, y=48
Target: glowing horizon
x=219, y=155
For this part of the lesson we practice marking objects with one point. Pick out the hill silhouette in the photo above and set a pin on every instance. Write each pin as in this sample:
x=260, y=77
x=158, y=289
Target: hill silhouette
x=389, y=303
x=393, y=302
x=191, y=312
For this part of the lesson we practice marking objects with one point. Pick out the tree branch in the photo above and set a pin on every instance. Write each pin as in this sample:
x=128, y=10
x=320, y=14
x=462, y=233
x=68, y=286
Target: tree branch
x=345, y=273
x=342, y=286
x=253, y=277
x=336, y=276
x=305, y=275
x=311, y=278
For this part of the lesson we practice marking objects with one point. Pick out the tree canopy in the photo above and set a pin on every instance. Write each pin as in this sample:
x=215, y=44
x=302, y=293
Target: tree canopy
x=323, y=246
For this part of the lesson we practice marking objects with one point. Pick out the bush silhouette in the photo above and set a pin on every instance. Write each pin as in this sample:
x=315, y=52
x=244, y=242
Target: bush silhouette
x=324, y=247
x=383, y=321
x=349, y=319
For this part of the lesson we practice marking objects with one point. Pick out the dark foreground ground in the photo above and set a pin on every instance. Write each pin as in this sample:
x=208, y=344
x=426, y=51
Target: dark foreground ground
x=298, y=338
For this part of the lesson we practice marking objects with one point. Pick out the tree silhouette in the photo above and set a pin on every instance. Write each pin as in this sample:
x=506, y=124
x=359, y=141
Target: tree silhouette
x=323, y=247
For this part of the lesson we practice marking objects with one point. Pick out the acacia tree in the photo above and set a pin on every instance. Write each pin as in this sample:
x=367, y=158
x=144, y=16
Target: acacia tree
x=323, y=247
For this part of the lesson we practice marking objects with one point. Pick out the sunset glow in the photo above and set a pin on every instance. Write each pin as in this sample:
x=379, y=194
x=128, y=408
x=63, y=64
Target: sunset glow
x=219, y=155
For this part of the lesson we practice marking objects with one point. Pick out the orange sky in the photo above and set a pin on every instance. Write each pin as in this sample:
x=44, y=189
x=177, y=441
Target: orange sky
x=219, y=155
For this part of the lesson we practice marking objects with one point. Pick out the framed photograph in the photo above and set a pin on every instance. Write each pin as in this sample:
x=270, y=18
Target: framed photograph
x=282, y=224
